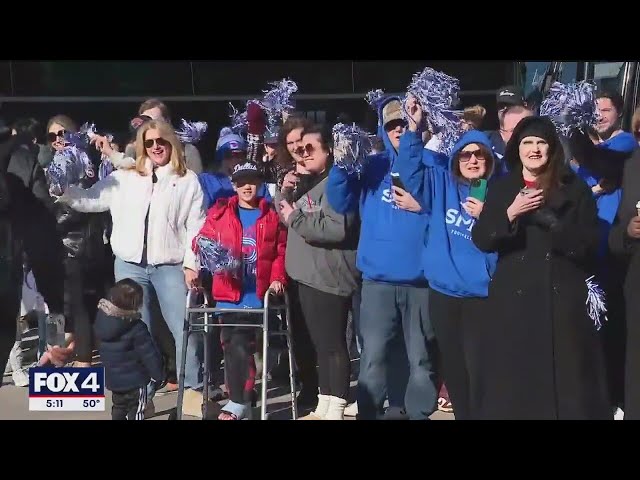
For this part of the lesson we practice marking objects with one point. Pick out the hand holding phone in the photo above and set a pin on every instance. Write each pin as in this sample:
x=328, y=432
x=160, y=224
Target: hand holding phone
x=478, y=189
x=396, y=182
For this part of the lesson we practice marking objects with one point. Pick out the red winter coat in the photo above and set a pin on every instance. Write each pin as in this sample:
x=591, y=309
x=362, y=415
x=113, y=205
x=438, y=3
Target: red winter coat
x=223, y=224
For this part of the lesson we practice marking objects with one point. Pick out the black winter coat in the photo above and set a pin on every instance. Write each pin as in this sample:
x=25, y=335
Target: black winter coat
x=27, y=224
x=627, y=249
x=539, y=352
x=127, y=350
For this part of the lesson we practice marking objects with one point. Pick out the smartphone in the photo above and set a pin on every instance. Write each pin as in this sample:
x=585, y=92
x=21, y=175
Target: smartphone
x=478, y=189
x=396, y=182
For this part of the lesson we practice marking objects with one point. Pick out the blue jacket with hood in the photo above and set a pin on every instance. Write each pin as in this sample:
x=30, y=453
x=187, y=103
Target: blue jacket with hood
x=607, y=203
x=391, y=239
x=452, y=263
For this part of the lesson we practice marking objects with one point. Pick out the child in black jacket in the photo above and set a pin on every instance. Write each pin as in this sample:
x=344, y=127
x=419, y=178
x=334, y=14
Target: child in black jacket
x=127, y=351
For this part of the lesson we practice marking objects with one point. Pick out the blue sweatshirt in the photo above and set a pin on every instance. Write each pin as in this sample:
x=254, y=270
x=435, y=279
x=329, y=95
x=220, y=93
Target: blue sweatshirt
x=607, y=203
x=218, y=185
x=391, y=239
x=452, y=263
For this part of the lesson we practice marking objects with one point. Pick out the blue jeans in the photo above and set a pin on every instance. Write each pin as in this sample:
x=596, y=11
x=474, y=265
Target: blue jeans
x=386, y=312
x=171, y=290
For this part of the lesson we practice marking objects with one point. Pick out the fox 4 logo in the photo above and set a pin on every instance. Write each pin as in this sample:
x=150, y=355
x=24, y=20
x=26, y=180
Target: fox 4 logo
x=66, y=381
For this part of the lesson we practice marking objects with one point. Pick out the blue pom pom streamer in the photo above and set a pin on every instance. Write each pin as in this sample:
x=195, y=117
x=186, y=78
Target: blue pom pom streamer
x=351, y=145
x=68, y=167
x=191, y=132
x=374, y=98
x=437, y=94
x=571, y=106
x=82, y=138
x=238, y=120
x=278, y=100
x=215, y=257
x=106, y=168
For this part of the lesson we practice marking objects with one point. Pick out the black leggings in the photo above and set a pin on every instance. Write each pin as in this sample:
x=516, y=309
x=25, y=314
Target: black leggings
x=454, y=320
x=82, y=292
x=326, y=316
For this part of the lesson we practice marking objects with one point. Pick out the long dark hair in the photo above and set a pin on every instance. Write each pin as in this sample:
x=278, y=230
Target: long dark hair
x=551, y=178
x=283, y=157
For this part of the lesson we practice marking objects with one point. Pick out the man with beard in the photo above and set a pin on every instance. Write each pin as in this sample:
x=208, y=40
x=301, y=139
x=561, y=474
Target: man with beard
x=599, y=159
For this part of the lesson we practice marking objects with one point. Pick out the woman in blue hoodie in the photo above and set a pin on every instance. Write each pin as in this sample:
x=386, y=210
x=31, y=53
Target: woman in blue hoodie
x=457, y=271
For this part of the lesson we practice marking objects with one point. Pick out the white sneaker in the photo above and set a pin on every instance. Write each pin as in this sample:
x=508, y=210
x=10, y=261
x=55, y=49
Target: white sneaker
x=351, y=410
x=15, y=358
x=619, y=414
x=20, y=377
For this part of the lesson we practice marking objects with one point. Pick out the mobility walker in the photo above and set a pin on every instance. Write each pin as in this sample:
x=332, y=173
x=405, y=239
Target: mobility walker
x=203, y=320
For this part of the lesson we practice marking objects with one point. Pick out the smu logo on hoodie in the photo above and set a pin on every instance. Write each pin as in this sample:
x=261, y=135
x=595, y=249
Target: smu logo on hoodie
x=387, y=197
x=461, y=222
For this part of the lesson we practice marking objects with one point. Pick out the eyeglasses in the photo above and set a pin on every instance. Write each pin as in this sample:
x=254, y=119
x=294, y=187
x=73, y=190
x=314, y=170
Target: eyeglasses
x=308, y=149
x=53, y=136
x=466, y=156
x=161, y=142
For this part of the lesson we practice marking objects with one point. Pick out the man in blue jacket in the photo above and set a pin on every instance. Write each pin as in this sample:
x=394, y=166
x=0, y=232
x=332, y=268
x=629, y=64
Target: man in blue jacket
x=395, y=293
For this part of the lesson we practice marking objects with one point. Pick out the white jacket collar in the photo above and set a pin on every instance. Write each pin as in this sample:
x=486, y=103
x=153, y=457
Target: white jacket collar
x=161, y=172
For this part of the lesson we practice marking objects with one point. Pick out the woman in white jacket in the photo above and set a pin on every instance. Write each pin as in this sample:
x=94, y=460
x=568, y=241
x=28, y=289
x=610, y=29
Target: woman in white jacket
x=157, y=209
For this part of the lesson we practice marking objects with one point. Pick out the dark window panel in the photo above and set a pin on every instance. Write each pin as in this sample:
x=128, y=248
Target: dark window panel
x=395, y=76
x=250, y=78
x=5, y=79
x=89, y=78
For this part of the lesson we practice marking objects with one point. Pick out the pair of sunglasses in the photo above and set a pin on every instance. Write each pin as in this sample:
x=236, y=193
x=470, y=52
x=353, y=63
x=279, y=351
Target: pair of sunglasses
x=466, y=156
x=308, y=149
x=151, y=141
x=53, y=136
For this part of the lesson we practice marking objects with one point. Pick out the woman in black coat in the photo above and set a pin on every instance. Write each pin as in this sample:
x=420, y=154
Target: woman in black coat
x=624, y=239
x=538, y=352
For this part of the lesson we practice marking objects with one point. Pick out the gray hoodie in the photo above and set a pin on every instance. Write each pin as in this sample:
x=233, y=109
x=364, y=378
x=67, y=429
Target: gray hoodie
x=322, y=244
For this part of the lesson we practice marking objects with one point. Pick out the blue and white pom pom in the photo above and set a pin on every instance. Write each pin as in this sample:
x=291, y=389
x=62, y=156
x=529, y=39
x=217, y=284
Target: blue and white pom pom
x=65, y=169
x=191, y=132
x=238, y=120
x=278, y=100
x=83, y=137
x=437, y=94
x=351, y=145
x=596, y=303
x=570, y=106
x=374, y=98
x=216, y=258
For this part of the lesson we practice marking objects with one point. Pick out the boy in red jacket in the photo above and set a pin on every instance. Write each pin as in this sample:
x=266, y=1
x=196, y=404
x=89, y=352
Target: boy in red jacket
x=249, y=228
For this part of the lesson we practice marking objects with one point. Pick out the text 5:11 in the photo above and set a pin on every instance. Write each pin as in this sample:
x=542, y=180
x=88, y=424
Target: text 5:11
x=57, y=403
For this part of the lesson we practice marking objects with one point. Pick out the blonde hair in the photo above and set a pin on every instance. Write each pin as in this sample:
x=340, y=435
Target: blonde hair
x=177, y=160
x=68, y=124
x=474, y=115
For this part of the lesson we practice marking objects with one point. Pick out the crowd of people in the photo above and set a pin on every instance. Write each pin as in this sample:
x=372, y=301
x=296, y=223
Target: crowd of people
x=487, y=273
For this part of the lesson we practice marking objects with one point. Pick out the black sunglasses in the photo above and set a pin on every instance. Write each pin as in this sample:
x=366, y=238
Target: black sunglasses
x=160, y=141
x=308, y=149
x=53, y=136
x=466, y=155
